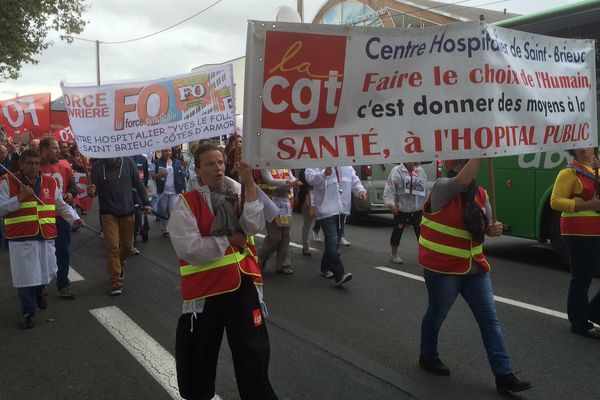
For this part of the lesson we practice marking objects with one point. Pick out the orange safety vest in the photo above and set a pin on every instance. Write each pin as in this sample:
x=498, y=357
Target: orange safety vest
x=32, y=217
x=220, y=276
x=445, y=244
x=581, y=223
x=270, y=190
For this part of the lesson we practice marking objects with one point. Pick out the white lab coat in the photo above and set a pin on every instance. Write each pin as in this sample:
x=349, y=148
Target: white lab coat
x=190, y=245
x=32, y=262
x=332, y=195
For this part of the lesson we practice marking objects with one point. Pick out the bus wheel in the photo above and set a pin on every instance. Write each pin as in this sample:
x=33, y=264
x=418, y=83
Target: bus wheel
x=556, y=241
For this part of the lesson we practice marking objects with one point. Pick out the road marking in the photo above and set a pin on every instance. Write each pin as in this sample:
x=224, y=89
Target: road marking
x=147, y=351
x=74, y=275
x=292, y=244
x=499, y=299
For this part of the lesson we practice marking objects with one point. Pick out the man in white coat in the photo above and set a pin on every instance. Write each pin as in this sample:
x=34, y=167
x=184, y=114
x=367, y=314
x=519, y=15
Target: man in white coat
x=30, y=202
x=332, y=193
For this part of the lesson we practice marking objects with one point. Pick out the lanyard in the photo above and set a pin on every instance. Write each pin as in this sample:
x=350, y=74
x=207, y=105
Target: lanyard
x=337, y=176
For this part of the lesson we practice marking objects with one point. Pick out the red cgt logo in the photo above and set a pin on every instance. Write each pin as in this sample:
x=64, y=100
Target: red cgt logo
x=303, y=78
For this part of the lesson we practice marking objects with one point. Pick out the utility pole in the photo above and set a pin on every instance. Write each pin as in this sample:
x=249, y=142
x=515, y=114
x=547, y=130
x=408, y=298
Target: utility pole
x=300, y=9
x=98, y=62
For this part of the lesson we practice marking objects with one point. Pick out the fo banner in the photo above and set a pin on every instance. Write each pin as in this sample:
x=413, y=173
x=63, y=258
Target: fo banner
x=337, y=95
x=133, y=118
x=30, y=113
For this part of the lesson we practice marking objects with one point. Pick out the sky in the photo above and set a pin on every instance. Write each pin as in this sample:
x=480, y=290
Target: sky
x=215, y=36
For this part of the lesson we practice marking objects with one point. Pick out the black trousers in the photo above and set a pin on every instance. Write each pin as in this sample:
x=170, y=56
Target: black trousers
x=198, y=341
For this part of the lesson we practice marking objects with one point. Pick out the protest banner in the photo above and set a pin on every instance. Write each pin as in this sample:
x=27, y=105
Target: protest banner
x=82, y=200
x=64, y=135
x=30, y=113
x=125, y=119
x=339, y=95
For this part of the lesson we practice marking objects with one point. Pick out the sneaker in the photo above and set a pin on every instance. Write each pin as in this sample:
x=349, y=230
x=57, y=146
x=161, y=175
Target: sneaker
x=28, y=321
x=327, y=274
x=397, y=260
x=436, y=367
x=316, y=236
x=510, y=383
x=134, y=251
x=42, y=304
x=67, y=292
x=116, y=290
x=345, y=278
x=166, y=234
x=344, y=242
x=592, y=333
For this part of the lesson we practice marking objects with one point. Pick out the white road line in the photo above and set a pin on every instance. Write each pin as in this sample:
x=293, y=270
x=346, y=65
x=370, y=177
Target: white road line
x=74, y=275
x=499, y=299
x=292, y=244
x=153, y=357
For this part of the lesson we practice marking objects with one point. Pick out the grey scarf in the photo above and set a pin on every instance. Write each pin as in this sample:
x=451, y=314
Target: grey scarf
x=225, y=221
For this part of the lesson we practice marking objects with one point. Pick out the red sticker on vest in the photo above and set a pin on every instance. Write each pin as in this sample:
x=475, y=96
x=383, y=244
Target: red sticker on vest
x=257, y=317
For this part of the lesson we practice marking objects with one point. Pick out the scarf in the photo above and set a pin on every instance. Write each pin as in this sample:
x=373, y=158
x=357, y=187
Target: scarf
x=225, y=221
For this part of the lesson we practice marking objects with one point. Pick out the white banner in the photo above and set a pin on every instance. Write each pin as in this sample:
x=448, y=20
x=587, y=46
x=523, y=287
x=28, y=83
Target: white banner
x=338, y=95
x=133, y=118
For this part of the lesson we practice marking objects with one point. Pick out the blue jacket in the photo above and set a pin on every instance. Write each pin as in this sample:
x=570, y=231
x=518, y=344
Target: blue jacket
x=178, y=175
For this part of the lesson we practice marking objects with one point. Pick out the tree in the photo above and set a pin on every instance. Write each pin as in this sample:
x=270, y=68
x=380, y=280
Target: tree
x=24, y=26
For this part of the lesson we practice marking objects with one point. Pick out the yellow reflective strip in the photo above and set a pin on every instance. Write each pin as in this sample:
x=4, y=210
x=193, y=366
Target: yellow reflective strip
x=47, y=220
x=24, y=218
x=587, y=213
x=476, y=250
x=28, y=204
x=251, y=239
x=446, y=229
x=229, y=259
x=440, y=248
x=49, y=207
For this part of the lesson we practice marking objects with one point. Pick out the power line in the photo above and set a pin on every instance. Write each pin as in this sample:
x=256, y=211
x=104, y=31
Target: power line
x=154, y=33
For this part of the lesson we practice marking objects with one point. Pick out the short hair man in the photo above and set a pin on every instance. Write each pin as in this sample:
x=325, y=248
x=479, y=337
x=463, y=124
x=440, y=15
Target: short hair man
x=62, y=172
x=29, y=203
x=209, y=227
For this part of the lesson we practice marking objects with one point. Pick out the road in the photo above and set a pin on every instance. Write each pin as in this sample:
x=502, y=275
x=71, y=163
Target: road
x=360, y=341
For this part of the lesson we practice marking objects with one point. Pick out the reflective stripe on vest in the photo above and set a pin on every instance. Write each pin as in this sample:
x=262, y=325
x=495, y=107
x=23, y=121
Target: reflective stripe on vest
x=581, y=223
x=32, y=218
x=219, y=276
x=445, y=245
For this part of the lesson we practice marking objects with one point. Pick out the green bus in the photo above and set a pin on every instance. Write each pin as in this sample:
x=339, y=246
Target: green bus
x=524, y=183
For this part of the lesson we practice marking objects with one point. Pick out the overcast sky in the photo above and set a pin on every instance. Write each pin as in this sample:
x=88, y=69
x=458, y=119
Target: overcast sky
x=214, y=36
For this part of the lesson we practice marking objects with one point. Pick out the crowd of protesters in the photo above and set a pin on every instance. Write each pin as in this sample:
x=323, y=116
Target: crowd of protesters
x=210, y=204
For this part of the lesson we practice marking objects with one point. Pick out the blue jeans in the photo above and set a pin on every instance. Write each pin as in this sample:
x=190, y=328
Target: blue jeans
x=583, y=257
x=476, y=289
x=333, y=228
x=63, y=259
x=28, y=296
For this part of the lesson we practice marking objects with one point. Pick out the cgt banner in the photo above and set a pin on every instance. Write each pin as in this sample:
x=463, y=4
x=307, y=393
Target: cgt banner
x=30, y=113
x=338, y=95
x=133, y=118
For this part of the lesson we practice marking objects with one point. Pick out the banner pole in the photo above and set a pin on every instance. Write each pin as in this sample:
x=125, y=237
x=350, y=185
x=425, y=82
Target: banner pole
x=21, y=183
x=492, y=187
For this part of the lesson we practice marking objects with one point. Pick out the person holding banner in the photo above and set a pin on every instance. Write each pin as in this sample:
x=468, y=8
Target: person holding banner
x=61, y=171
x=332, y=193
x=278, y=185
x=404, y=194
x=221, y=282
x=576, y=194
x=29, y=202
x=455, y=222
x=113, y=180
